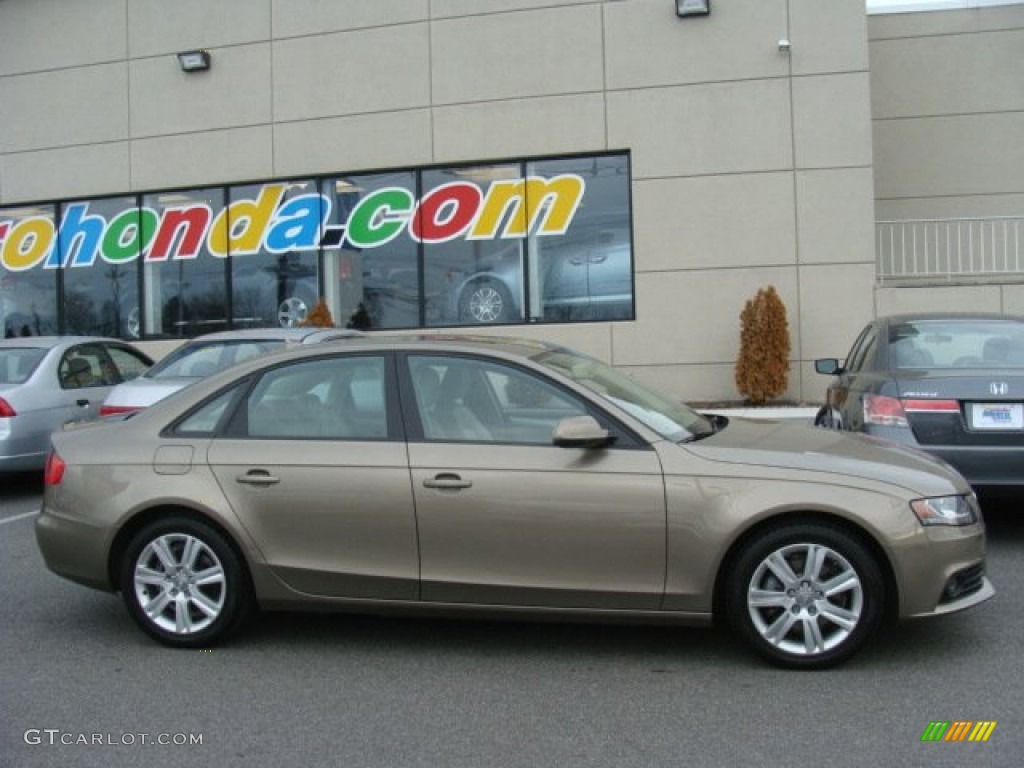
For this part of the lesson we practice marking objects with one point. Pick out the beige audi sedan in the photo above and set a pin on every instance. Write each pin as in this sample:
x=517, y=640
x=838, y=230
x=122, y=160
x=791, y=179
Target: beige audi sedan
x=489, y=477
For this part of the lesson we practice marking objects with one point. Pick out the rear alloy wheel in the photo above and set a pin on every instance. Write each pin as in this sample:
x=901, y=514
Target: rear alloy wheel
x=806, y=596
x=485, y=301
x=184, y=584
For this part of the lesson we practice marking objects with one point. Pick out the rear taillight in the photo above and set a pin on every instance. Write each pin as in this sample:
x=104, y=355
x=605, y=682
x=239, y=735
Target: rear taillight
x=54, y=471
x=113, y=410
x=6, y=411
x=884, y=411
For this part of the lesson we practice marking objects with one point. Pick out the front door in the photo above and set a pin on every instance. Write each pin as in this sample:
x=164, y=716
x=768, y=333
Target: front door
x=507, y=518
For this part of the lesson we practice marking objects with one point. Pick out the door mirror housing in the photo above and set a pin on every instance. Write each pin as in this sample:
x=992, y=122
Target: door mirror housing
x=581, y=432
x=828, y=366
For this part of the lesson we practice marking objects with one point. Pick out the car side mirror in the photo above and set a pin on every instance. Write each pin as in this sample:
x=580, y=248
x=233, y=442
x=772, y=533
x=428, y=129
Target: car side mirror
x=828, y=366
x=581, y=432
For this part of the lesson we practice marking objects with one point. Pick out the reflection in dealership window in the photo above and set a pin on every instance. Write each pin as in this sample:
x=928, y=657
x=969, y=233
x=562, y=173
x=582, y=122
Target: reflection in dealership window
x=272, y=289
x=587, y=274
x=470, y=281
x=100, y=294
x=185, y=285
x=28, y=295
x=375, y=287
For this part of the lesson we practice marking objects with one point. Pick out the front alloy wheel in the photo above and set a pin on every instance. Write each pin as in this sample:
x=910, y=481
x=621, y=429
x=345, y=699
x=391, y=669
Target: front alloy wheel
x=806, y=596
x=184, y=584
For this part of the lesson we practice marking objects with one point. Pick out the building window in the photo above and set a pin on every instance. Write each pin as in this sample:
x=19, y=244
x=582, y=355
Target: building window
x=541, y=241
x=28, y=279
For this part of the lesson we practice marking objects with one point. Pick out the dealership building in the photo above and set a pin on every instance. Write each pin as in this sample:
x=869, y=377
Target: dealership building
x=620, y=176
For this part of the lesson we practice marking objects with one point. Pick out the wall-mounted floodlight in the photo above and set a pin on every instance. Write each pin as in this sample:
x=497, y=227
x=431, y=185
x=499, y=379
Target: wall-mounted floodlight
x=693, y=8
x=194, y=61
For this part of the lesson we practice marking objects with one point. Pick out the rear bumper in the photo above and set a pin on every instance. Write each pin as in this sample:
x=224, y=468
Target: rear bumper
x=74, y=549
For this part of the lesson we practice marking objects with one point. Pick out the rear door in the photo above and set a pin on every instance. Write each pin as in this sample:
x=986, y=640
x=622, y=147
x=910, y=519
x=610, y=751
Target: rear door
x=507, y=518
x=314, y=465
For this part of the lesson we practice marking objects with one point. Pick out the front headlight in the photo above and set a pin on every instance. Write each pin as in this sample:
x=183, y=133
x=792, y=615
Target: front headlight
x=946, y=510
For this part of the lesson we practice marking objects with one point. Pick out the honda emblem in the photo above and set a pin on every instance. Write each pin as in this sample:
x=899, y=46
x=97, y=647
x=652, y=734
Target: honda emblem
x=999, y=388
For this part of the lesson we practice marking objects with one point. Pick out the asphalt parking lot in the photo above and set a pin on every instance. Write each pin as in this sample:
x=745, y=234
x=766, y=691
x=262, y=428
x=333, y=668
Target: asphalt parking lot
x=81, y=686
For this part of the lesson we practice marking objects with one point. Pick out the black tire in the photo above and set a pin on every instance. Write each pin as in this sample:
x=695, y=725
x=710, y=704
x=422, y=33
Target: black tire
x=486, y=301
x=163, y=569
x=807, y=621
x=826, y=418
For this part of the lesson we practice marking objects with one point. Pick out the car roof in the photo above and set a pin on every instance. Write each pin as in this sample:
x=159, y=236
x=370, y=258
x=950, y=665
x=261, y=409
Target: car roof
x=52, y=342
x=296, y=335
x=920, y=316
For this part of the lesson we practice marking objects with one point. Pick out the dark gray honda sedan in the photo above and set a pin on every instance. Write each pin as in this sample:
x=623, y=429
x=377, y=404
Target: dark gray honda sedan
x=952, y=385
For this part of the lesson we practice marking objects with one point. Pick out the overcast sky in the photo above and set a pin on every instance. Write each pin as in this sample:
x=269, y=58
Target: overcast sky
x=893, y=6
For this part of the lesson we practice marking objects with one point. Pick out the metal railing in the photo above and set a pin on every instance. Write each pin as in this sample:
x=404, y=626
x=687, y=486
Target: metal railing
x=933, y=250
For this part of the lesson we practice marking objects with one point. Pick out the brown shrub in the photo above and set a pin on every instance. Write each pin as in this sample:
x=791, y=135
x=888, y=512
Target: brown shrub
x=319, y=316
x=762, y=370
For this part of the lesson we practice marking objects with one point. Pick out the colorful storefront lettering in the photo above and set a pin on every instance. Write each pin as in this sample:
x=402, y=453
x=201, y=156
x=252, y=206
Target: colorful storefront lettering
x=507, y=209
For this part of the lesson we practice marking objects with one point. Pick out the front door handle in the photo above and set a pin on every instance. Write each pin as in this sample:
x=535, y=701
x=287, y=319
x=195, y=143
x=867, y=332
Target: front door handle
x=447, y=481
x=257, y=477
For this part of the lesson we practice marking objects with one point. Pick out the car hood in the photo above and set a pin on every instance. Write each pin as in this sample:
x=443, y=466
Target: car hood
x=803, y=447
x=143, y=392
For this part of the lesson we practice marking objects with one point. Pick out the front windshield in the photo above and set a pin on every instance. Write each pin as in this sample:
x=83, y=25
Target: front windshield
x=671, y=419
x=17, y=363
x=196, y=361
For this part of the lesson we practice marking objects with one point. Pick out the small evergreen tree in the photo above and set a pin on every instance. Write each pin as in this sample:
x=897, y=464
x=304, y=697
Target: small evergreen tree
x=762, y=371
x=319, y=316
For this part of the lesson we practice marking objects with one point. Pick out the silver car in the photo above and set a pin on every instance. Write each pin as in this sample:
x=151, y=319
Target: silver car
x=491, y=477
x=48, y=380
x=204, y=356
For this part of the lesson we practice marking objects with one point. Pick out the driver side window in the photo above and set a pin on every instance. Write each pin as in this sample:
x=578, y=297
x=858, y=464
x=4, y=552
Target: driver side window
x=466, y=400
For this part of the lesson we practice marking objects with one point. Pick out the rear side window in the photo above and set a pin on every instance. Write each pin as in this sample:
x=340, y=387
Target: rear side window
x=863, y=349
x=327, y=399
x=18, y=363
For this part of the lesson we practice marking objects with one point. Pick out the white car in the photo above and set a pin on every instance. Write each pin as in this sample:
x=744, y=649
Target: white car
x=206, y=355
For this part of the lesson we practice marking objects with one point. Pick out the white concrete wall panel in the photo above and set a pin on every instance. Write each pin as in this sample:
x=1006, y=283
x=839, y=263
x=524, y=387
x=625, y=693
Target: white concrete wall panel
x=158, y=27
x=832, y=120
x=710, y=222
x=234, y=92
x=828, y=36
x=952, y=207
x=892, y=300
x=948, y=75
x=86, y=105
x=379, y=140
x=693, y=317
x=517, y=55
x=648, y=45
x=441, y=9
x=98, y=169
x=835, y=221
x=291, y=18
x=836, y=302
x=1013, y=299
x=52, y=34
x=346, y=73
x=202, y=158
x=954, y=22
x=703, y=129
x=959, y=155
x=520, y=127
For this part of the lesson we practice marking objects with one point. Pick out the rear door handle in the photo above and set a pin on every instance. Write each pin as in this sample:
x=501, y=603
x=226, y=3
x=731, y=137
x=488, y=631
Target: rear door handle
x=83, y=403
x=257, y=477
x=447, y=481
